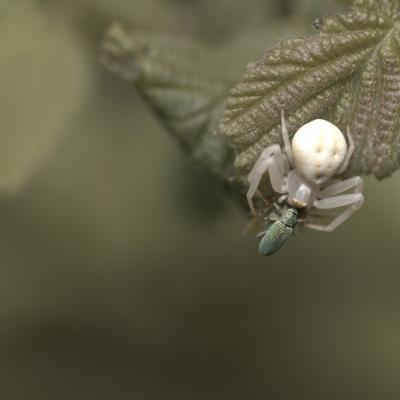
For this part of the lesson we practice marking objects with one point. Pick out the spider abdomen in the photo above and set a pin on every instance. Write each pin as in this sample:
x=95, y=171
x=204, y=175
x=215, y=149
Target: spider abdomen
x=319, y=149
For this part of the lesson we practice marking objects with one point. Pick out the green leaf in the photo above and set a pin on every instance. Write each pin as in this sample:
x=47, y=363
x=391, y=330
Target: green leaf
x=348, y=73
x=185, y=85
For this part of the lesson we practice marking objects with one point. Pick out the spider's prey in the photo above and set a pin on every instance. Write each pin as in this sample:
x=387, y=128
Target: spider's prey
x=302, y=172
x=276, y=234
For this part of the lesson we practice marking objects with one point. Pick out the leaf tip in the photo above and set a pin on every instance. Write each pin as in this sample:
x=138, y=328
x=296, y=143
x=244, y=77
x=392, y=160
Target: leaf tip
x=117, y=52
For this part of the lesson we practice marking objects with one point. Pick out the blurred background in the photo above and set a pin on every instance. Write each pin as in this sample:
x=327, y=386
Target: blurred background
x=124, y=271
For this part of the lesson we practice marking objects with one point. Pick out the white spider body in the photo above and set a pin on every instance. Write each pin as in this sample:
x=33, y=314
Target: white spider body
x=302, y=171
x=319, y=149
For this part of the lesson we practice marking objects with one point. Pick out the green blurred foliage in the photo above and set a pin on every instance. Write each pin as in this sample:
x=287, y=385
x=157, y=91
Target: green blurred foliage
x=112, y=286
x=44, y=81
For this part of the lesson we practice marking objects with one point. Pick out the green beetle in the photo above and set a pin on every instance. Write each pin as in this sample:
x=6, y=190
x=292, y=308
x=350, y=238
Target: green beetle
x=279, y=232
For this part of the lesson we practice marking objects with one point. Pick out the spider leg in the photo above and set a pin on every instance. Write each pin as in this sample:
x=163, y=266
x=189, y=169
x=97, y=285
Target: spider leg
x=283, y=198
x=273, y=161
x=342, y=186
x=330, y=197
x=286, y=141
x=259, y=194
x=273, y=216
x=350, y=152
x=353, y=201
x=277, y=208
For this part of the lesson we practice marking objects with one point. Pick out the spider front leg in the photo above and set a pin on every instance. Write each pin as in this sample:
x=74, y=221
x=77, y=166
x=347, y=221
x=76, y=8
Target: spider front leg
x=273, y=161
x=329, y=200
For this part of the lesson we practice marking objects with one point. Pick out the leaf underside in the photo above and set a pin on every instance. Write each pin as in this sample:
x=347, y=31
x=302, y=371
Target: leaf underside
x=184, y=84
x=348, y=73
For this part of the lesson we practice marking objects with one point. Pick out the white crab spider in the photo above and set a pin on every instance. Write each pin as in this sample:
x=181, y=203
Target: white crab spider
x=302, y=172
